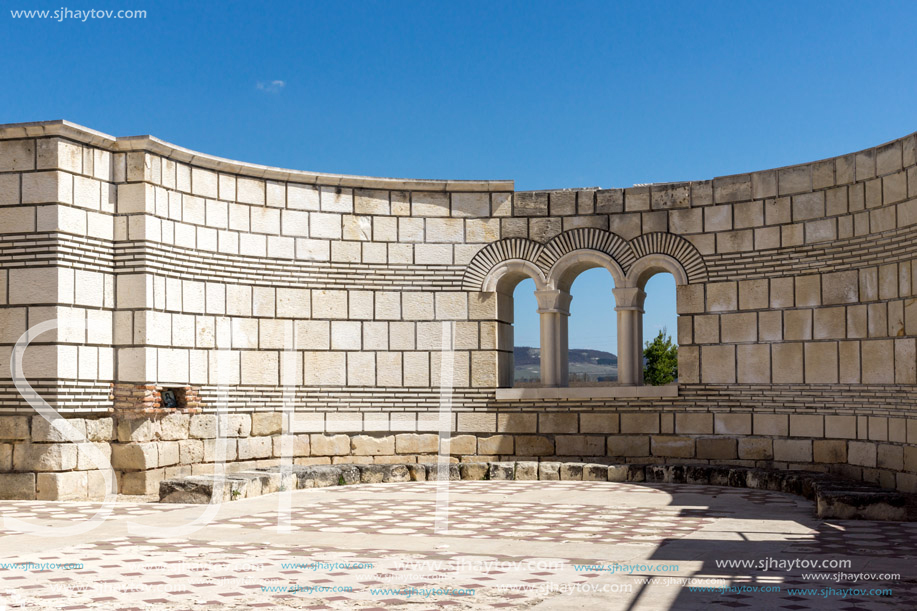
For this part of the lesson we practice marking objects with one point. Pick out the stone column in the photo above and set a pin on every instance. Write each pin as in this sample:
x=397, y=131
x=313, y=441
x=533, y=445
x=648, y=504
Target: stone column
x=629, y=306
x=554, y=308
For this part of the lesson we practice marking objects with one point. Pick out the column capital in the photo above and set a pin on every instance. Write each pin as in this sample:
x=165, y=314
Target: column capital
x=553, y=301
x=630, y=298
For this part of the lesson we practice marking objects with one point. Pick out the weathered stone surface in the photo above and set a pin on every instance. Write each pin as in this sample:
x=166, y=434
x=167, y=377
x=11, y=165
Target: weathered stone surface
x=501, y=470
x=173, y=427
x=473, y=470
x=137, y=429
x=418, y=473
x=365, y=445
x=235, y=425
x=44, y=456
x=14, y=428
x=595, y=473
x=571, y=471
x=434, y=469
x=318, y=476
x=135, y=456
x=46, y=431
x=411, y=443
x=100, y=429
x=526, y=470
x=549, y=470
x=267, y=423
x=330, y=445
x=395, y=473
x=203, y=426
x=17, y=486
x=616, y=473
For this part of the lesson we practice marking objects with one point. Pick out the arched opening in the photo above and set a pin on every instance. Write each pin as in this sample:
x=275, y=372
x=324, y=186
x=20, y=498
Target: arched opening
x=592, y=330
x=525, y=333
x=515, y=284
x=655, y=319
x=660, y=328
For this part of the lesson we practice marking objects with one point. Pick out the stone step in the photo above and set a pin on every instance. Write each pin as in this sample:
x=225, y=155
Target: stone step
x=834, y=497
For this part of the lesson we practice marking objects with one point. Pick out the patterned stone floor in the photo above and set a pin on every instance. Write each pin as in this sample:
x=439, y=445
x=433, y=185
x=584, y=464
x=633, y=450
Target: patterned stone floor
x=538, y=545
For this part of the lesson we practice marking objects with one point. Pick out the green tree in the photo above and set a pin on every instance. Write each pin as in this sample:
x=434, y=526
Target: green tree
x=661, y=358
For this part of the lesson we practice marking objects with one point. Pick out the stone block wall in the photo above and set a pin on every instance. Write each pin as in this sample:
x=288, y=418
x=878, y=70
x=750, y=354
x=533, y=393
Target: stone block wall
x=262, y=288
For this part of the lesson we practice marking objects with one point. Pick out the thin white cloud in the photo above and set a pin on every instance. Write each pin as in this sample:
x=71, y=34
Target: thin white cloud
x=271, y=86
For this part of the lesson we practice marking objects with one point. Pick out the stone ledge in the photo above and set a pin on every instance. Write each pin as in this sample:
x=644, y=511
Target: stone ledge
x=833, y=496
x=586, y=392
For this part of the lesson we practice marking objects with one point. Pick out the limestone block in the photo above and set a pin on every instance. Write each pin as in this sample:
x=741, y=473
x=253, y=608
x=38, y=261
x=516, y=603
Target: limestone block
x=753, y=294
x=100, y=429
x=526, y=470
x=462, y=445
x=877, y=320
x=787, y=363
x=844, y=427
x=169, y=453
x=203, y=426
x=533, y=203
x=793, y=450
x=718, y=364
x=906, y=361
x=580, y=445
x=534, y=445
x=255, y=447
x=628, y=445
x=808, y=290
x=732, y=188
x=190, y=451
x=71, y=486
x=809, y=206
x=221, y=449
x=474, y=471
x=753, y=364
x=138, y=429
x=707, y=329
x=44, y=457
x=694, y=423
x=717, y=218
x=549, y=471
x=722, y=296
x=637, y=422
x=673, y=446
x=6, y=457
x=174, y=426
x=821, y=363
x=364, y=445
x=86, y=457
x=890, y=457
x=267, y=423
x=795, y=179
x=517, y=423
x=571, y=471
x=771, y=424
x=829, y=451
x=598, y=423
x=235, y=425
x=410, y=443
x=141, y=482
x=840, y=287
x=557, y=423
x=732, y=424
x=14, y=427
x=685, y=221
x=862, y=453
x=17, y=486
x=717, y=448
x=135, y=456
x=756, y=448
x=782, y=293
x=877, y=359
x=739, y=327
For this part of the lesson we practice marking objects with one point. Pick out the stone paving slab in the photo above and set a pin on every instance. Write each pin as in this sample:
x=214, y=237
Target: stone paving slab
x=515, y=544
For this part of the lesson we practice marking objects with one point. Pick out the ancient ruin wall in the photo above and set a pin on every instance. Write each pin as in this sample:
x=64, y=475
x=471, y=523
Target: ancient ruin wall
x=172, y=270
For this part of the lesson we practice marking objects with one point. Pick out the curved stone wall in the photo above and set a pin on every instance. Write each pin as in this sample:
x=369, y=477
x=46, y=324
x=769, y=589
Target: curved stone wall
x=169, y=269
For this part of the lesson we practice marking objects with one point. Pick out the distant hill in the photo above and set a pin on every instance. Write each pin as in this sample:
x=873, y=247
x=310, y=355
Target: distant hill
x=585, y=364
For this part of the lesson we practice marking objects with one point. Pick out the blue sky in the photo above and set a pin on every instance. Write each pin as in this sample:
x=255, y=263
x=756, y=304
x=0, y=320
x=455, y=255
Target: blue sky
x=551, y=94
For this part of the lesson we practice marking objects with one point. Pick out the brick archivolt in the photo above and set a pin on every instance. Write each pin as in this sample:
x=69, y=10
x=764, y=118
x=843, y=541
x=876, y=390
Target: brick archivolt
x=621, y=255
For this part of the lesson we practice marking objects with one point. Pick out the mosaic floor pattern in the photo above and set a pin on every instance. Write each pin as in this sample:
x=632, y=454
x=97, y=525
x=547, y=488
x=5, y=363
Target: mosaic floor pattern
x=534, y=545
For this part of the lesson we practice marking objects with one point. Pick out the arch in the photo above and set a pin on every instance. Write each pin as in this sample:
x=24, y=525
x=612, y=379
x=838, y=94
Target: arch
x=569, y=266
x=587, y=239
x=504, y=276
x=674, y=248
x=488, y=258
x=650, y=265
